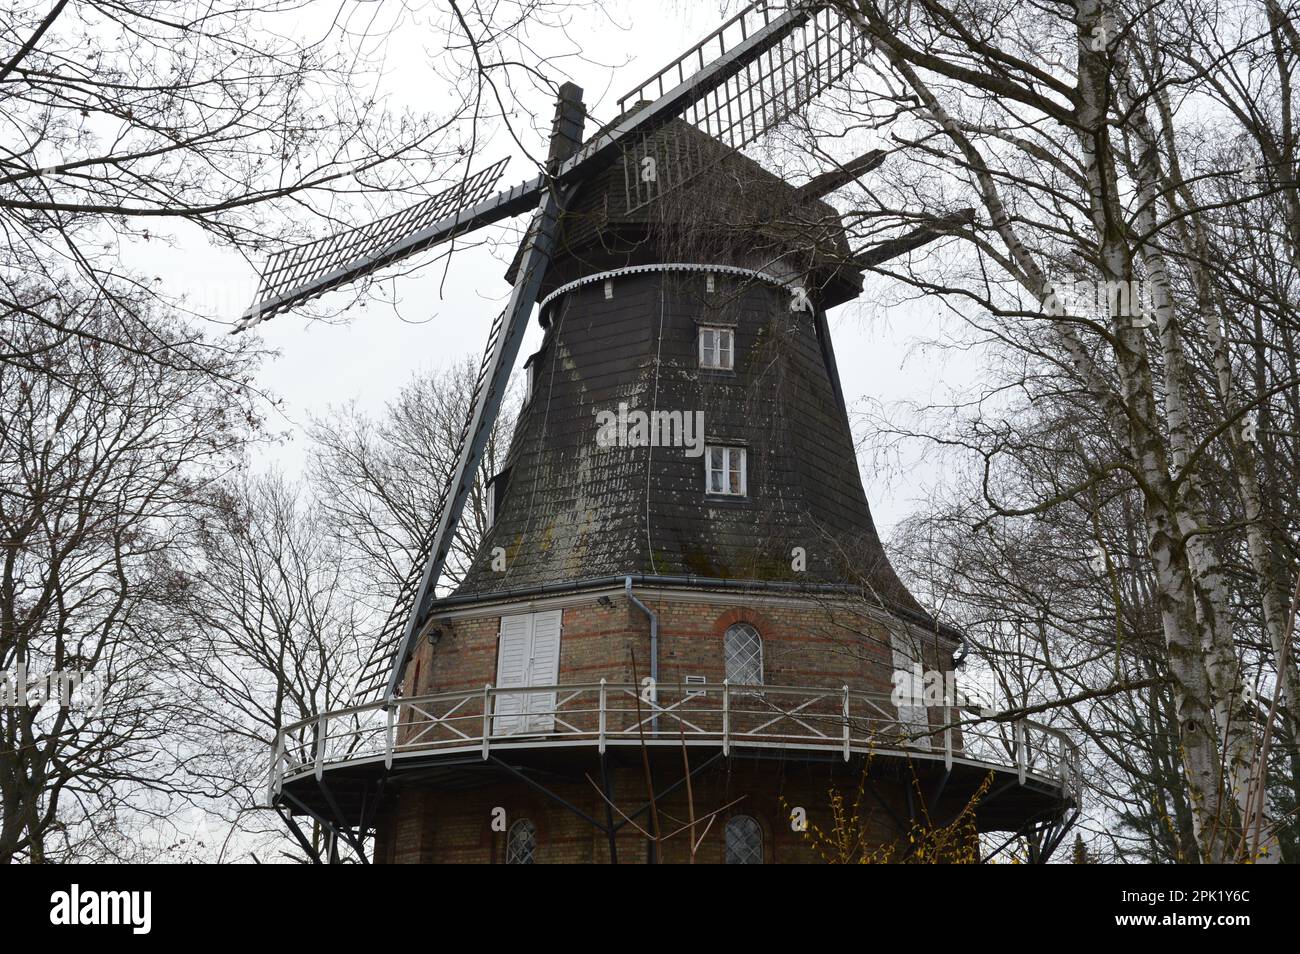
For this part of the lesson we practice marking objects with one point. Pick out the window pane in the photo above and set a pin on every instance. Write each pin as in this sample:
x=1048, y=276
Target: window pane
x=743, y=651
x=725, y=470
x=521, y=843
x=744, y=841
x=717, y=348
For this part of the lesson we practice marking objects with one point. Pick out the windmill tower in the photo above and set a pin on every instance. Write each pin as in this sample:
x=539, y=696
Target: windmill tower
x=681, y=630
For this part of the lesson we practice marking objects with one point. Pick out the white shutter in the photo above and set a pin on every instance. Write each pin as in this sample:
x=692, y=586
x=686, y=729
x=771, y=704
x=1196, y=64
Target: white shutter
x=514, y=653
x=913, y=718
x=528, y=654
x=544, y=669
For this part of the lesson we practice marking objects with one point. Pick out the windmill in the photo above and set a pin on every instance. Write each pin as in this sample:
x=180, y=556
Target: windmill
x=739, y=83
x=538, y=668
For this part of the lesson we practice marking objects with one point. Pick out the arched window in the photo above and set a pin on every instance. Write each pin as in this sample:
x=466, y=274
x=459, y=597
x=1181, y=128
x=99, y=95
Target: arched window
x=521, y=843
x=744, y=841
x=744, y=652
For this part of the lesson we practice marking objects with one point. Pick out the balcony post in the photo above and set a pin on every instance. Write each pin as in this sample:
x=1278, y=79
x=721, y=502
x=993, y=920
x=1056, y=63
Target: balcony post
x=947, y=737
x=273, y=786
x=601, y=744
x=726, y=716
x=388, y=748
x=487, y=718
x=322, y=728
x=846, y=723
x=1020, y=749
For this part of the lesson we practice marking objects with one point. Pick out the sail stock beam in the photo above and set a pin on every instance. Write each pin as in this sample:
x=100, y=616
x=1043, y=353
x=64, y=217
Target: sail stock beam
x=566, y=134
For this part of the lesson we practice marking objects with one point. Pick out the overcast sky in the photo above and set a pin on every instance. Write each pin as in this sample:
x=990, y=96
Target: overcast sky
x=444, y=313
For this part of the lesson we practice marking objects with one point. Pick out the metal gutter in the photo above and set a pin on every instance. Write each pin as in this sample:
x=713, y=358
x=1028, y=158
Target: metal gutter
x=691, y=582
x=654, y=629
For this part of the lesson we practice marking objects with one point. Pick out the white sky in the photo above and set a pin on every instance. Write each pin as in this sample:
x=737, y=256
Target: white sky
x=441, y=317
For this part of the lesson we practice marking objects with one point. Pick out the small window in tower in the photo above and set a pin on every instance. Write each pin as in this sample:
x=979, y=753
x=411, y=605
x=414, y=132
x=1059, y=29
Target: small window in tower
x=717, y=349
x=725, y=472
x=744, y=841
x=521, y=843
x=493, y=493
x=742, y=649
x=530, y=372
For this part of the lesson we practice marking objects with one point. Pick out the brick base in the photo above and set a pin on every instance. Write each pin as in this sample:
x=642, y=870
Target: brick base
x=465, y=827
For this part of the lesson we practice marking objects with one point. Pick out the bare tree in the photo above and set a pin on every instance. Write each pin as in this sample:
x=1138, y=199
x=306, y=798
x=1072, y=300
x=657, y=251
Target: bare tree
x=287, y=585
x=106, y=457
x=251, y=123
x=275, y=638
x=1061, y=125
x=379, y=480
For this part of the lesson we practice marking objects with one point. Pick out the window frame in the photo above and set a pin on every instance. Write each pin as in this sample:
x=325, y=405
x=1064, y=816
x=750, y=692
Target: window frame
x=494, y=492
x=530, y=371
x=726, y=655
x=728, y=451
x=716, y=333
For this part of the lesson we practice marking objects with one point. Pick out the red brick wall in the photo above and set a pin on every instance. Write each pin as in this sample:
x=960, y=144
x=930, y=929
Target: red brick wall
x=805, y=643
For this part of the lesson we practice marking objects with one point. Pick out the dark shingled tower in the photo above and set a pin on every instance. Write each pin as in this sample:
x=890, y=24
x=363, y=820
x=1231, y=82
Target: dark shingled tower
x=622, y=322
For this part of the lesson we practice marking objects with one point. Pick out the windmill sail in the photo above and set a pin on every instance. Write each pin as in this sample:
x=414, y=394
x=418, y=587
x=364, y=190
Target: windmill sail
x=920, y=236
x=295, y=275
x=771, y=87
x=716, y=95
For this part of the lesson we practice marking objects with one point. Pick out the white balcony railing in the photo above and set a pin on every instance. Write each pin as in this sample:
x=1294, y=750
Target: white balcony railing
x=603, y=714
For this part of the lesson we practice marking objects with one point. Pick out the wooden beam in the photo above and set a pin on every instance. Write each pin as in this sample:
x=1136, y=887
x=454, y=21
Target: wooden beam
x=875, y=255
x=828, y=182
